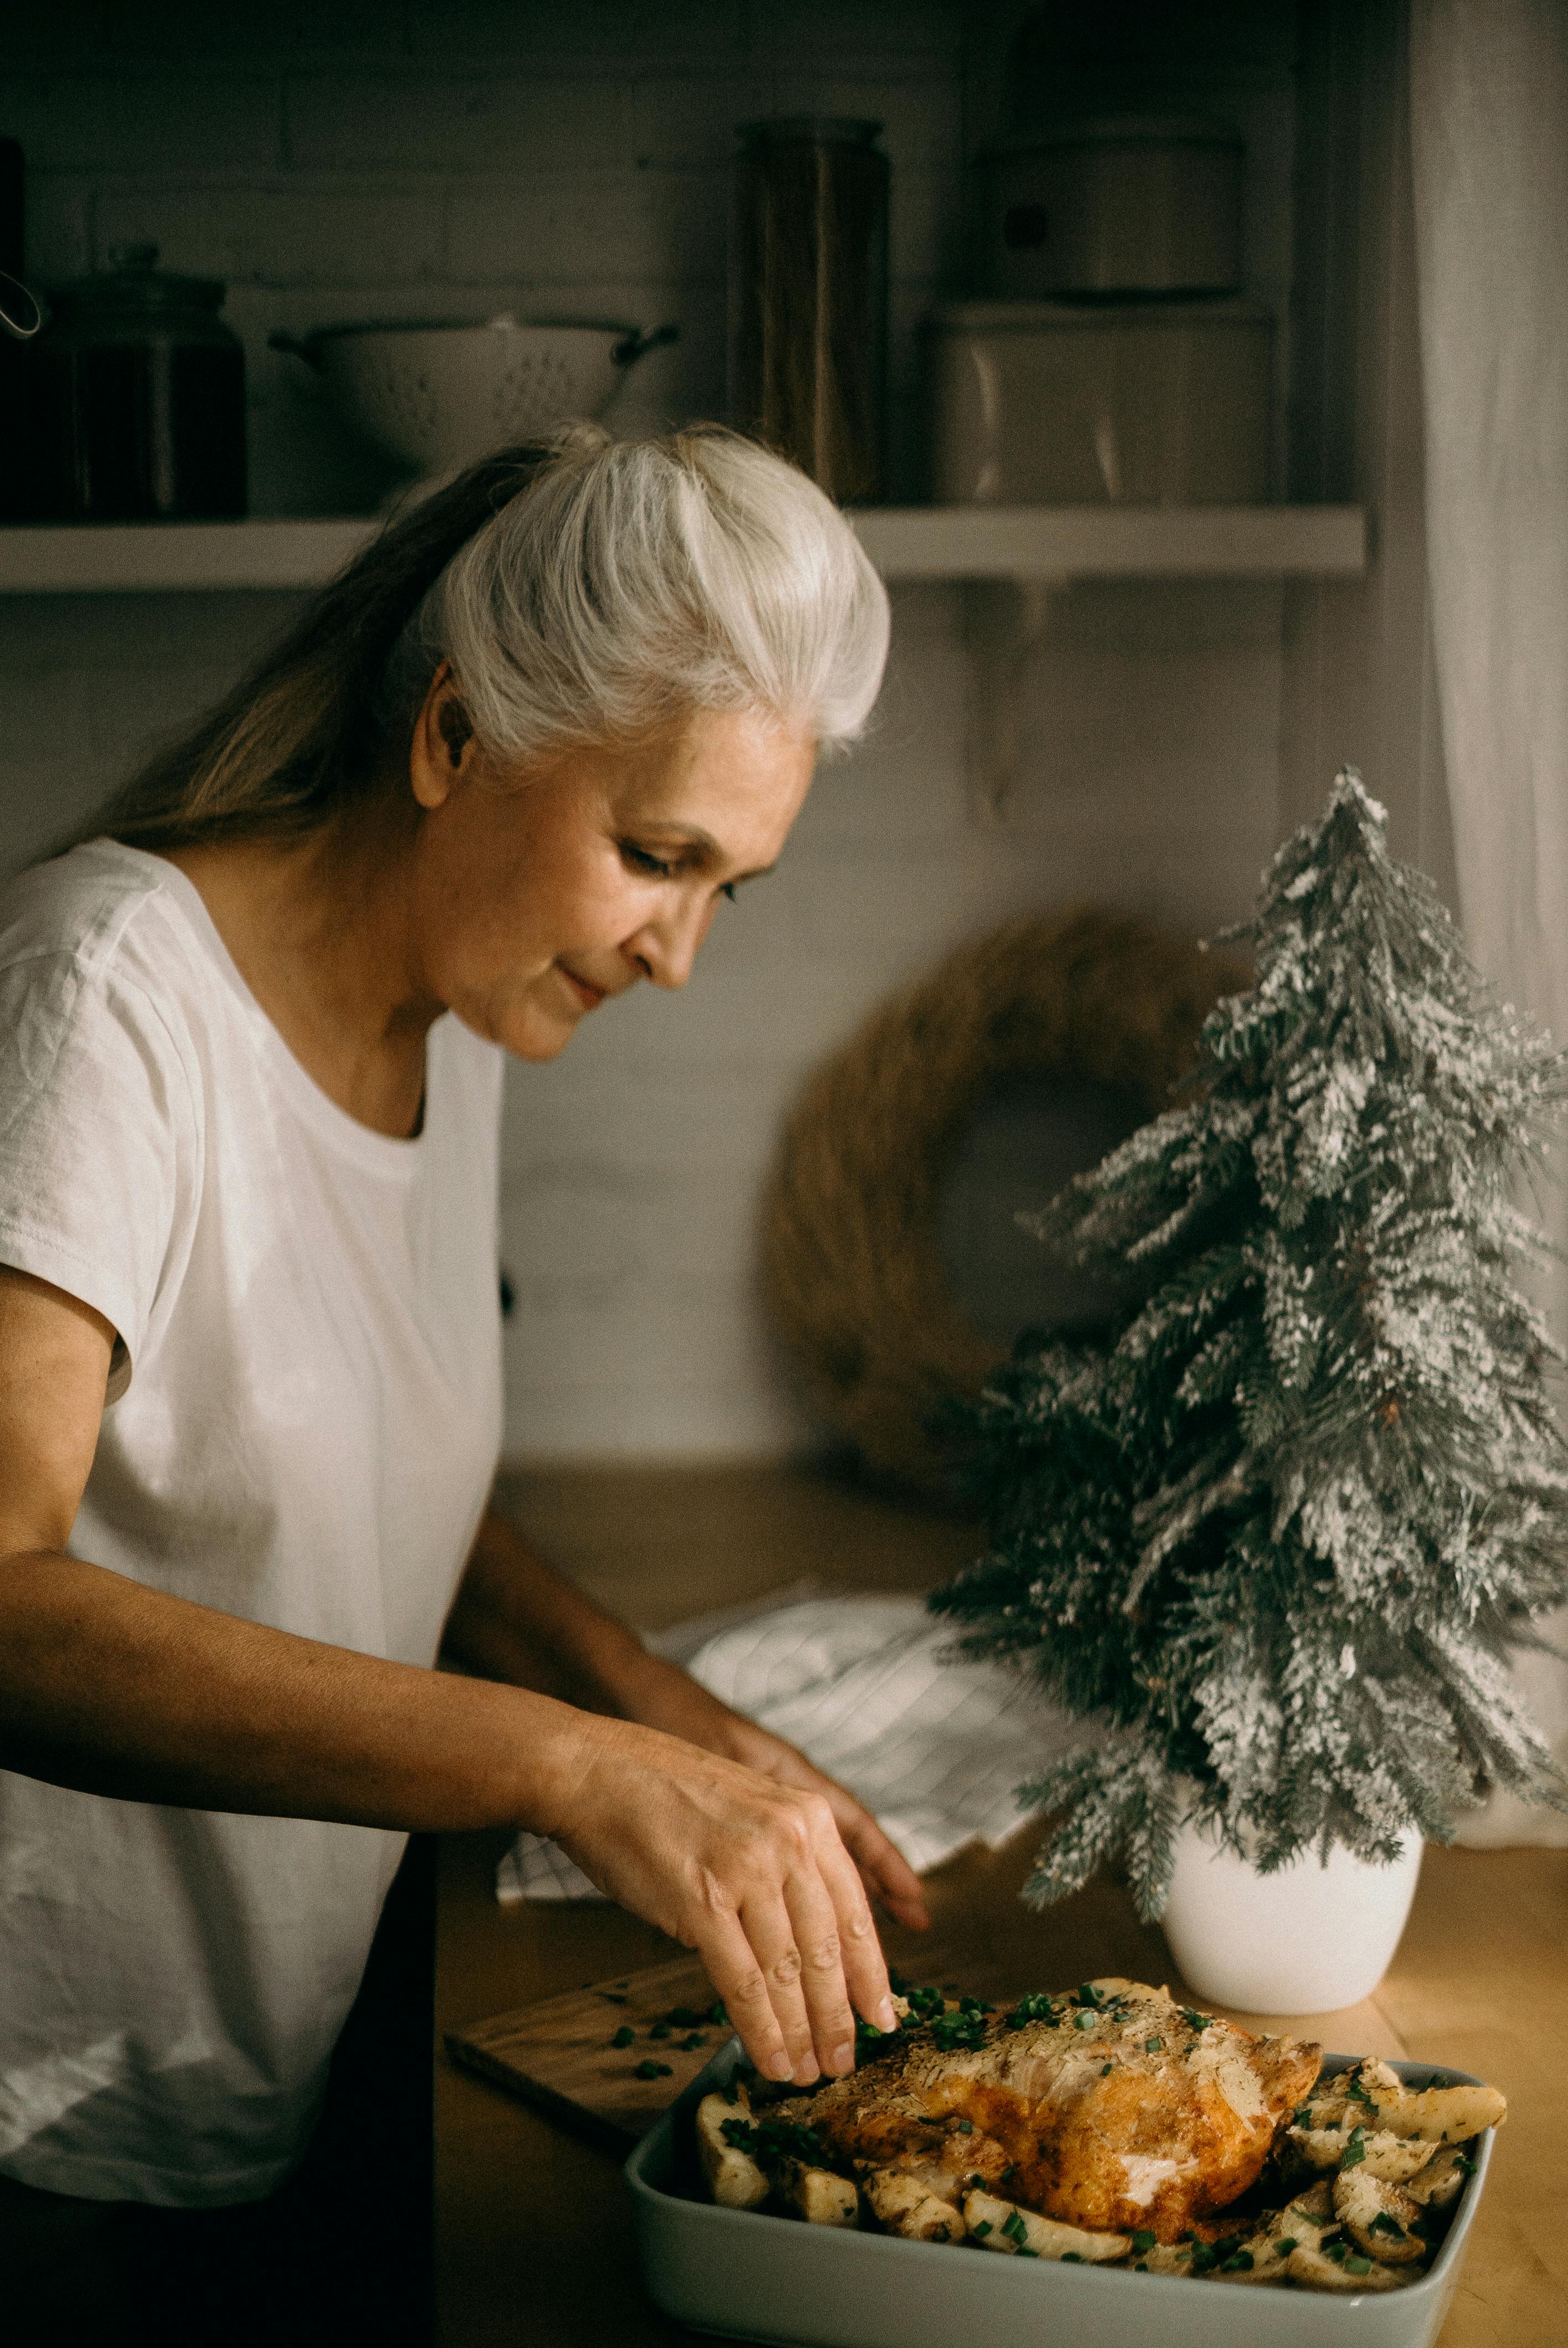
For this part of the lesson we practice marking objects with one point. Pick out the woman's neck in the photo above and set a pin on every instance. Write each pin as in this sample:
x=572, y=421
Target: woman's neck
x=321, y=930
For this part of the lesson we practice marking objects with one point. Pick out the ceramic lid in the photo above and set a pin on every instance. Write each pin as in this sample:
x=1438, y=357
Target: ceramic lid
x=1150, y=313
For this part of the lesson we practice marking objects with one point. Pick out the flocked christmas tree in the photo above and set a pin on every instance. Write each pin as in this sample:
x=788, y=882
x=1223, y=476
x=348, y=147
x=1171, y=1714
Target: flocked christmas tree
x=1273, y=1542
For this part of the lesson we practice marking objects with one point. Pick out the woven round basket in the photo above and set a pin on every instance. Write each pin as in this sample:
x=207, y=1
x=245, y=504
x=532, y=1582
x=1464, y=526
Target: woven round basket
x=850, y=1251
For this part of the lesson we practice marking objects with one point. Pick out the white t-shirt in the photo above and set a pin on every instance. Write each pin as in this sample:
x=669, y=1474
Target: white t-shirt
x=303, y=1419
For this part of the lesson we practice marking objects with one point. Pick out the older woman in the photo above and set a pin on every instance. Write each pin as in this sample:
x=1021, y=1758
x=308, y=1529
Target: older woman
x=250, y=1047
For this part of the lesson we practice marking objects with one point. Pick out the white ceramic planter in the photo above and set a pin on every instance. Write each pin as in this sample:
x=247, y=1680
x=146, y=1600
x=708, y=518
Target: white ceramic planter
x=1308, y=1939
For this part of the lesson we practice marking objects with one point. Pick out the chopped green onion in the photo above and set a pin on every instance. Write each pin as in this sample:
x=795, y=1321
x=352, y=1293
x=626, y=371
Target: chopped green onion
x=1083, y=2021
x=1238, y=2262
x=649, y=2069
x=1285, y=2245
x=966, y=2127
x=624, y=2036
x=1385, y=2224
x=1153, y=2046
x=1357, y=2265
x=1143, y=2239
x=1068, y=2257
x=1355, y=2152
x=981, y=2230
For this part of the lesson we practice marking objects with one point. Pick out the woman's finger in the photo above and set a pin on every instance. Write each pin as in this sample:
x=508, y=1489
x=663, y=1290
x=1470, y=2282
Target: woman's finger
x=733, y=1969
x=819, y=1938
x=769, y=1927
x=891, y=1878
x=863, y=1966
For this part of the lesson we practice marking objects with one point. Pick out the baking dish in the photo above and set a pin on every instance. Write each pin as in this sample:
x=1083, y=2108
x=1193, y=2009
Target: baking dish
x=773, y=2280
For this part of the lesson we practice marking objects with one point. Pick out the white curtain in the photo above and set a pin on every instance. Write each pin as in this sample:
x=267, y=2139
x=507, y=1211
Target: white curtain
x=1489, y=129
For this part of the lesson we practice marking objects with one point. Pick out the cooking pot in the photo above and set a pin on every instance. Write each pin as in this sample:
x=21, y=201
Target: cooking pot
x=436, y=393
x=138, y=397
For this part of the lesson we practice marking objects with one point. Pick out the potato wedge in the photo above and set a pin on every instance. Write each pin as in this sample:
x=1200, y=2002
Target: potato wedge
x=1442, y=2115
x=1320, y=2272
x=1439, y=2185
x=734, y=2177
x=903, y=2204
x=1166, y=2257
x=1000, y=2225
x=1381, y=2220
x=817, y=2195
x=1383, y=2154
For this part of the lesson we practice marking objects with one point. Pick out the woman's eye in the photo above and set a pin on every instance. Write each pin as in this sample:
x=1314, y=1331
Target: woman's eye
x=642, y=860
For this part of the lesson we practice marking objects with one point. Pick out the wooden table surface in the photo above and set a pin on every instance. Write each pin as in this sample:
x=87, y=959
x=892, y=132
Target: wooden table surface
x=533, y=2225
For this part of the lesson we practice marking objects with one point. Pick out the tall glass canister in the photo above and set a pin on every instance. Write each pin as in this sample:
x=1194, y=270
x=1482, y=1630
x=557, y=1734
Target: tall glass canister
x=808, y=299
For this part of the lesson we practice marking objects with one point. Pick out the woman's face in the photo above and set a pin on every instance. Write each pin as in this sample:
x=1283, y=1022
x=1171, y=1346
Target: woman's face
x=535, y=901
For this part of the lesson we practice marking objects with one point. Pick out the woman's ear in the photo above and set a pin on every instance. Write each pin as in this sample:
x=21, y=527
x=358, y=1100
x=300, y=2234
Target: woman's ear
x=442, y=733
x=457, y=731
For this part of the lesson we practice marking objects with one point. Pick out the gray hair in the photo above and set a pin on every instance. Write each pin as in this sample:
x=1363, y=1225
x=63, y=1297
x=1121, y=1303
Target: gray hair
x=638, y=580
x=581, y=589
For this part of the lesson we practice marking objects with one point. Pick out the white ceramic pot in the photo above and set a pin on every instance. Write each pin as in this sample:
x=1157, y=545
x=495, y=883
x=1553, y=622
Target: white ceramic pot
x=1307, y=1940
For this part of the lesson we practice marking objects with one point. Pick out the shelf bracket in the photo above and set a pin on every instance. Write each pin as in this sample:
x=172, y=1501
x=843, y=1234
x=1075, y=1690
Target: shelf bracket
x=1005, y=622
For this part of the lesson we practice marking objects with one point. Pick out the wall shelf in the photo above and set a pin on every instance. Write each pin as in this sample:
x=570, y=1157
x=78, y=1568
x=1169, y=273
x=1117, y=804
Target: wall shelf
x=1029, y=546
x=1012, y=558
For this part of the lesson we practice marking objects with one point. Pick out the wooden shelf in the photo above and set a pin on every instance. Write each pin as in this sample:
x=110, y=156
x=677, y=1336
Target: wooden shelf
x=1044, y=545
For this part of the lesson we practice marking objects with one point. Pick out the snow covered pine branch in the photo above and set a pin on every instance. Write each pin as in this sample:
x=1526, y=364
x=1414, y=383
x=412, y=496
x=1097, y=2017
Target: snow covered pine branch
x=1274, y=1539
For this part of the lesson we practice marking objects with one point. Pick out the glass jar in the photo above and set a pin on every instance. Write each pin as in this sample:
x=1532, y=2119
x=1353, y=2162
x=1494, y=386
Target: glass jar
x=808, y=299
x=140, y=397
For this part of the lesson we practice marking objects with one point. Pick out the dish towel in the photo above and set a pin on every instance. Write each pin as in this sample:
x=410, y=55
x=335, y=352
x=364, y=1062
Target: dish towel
x=867, y=1689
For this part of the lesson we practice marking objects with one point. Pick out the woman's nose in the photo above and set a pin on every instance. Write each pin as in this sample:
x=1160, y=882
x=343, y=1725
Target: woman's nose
x=667, y=948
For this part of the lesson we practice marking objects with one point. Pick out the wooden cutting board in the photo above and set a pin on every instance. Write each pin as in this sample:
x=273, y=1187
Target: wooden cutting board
x=559, y=2053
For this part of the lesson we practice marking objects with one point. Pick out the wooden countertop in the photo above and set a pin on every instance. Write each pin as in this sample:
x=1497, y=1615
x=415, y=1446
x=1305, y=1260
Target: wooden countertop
x=533, y=2235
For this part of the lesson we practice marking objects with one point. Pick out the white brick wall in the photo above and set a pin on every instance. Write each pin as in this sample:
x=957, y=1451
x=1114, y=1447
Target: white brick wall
x=351, y=158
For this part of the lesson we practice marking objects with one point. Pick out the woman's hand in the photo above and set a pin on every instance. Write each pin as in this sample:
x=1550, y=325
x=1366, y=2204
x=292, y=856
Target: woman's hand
x=749, y=1872
x=661, y=1695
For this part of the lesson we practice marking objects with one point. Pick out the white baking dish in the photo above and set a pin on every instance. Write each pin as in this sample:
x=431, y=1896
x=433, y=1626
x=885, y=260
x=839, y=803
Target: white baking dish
x=750, y=2276
x=1146, y=403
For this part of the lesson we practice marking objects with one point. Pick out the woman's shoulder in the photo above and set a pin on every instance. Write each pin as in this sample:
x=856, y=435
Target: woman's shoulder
x=95, y=906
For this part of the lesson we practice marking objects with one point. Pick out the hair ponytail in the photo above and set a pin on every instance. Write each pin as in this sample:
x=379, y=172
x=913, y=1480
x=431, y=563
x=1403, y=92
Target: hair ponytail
x=306, y=731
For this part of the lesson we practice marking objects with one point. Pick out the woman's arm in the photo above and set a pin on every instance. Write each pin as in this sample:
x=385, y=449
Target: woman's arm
x=119, y=1690
x=518, y=1619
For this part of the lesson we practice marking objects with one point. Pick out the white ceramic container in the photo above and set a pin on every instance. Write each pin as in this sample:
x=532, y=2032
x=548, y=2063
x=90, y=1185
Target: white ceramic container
x=749, y=2277
x=436, y=395
x=1145, y=403
x=1310, y=1939
x=1134, y=205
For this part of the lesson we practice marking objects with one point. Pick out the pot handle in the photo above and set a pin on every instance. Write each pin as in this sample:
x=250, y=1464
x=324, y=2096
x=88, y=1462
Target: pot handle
x=303, y=346
x=637, y=344
x=21, y=312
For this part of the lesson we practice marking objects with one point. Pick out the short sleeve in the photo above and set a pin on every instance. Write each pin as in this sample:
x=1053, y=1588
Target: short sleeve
x=96, y=1119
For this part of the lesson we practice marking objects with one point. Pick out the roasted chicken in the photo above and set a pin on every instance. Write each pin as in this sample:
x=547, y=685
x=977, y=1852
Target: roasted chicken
x=1114, y=2110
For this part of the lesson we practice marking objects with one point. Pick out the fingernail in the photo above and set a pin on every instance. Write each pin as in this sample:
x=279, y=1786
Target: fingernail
x=808, y=2070
x=884, y=2018
x=841, y=2062
x=777, y=2066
